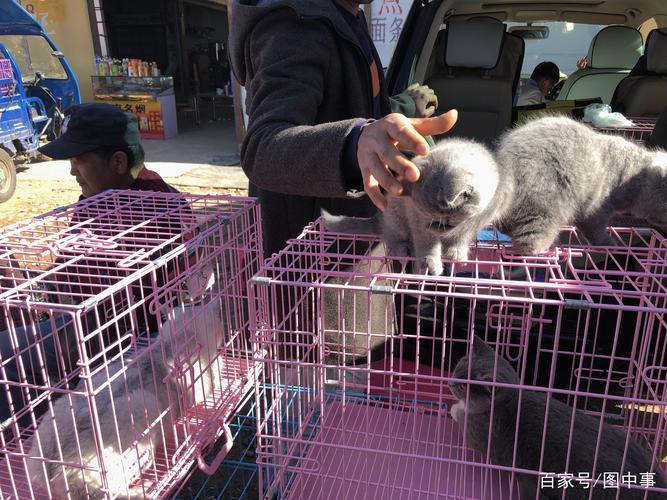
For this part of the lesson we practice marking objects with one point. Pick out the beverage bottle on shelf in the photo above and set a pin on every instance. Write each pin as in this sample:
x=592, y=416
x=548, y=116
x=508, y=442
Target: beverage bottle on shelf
x=101, y=67
x=124, y=66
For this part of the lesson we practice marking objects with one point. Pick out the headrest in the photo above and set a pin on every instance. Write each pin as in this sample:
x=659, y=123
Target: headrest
x=616, y=47
x=656, y=51
x=474, y=43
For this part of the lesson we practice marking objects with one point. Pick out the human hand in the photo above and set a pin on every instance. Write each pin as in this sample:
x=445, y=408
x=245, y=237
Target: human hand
x=582, y=63
x=426, y=102
x=381, y=162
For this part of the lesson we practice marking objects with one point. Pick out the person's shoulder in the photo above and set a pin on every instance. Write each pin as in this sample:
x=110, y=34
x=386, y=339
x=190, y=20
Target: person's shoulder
x=149, y=180
x=280, y=15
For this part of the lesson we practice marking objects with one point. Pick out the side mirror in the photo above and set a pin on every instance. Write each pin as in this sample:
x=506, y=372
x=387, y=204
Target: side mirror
x=530, y=32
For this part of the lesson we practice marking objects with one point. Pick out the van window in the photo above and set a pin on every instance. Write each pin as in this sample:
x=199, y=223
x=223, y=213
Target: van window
x=566, y=44
x=33, y=53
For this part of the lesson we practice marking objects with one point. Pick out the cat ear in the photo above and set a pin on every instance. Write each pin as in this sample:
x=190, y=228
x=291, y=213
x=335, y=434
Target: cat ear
x=479, y=347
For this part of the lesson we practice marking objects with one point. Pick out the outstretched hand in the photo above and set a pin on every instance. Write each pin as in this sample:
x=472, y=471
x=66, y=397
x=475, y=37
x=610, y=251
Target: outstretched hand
x=379, y=148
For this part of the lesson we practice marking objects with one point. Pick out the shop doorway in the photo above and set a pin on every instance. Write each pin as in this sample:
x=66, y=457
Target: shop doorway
x=187, y=39
x=206, y=34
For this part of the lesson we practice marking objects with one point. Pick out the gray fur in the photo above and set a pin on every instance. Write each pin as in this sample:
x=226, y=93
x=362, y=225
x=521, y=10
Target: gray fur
x=563, y=172
x=550, y=172
x=440, y=216
x=473, y=411
x=191, y=337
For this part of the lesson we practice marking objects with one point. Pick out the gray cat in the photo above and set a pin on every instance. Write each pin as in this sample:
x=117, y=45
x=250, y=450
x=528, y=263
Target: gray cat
x=550, y=172
x=557, y=171
x=135, y=400
x=439, y=215
x=473, y=411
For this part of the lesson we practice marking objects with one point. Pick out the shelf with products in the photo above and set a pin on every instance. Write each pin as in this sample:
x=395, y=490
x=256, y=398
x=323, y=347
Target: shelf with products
x=150, y=98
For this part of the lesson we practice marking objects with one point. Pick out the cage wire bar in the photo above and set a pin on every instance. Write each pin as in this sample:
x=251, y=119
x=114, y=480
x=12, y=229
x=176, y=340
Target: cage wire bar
x=638, y=132
x=236, y=478
x=354, y=398
x=125, y=351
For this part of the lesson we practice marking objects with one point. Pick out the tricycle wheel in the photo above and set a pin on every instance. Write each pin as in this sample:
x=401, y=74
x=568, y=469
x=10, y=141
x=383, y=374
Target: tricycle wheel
x=7, y=176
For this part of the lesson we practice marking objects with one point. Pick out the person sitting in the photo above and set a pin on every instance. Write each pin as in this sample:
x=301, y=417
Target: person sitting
x=103, y=146
x=542, y=80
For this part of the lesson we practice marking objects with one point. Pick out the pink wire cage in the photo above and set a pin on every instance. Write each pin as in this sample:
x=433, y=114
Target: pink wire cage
x=640, y=130
x=126, y=346
x=355, y=401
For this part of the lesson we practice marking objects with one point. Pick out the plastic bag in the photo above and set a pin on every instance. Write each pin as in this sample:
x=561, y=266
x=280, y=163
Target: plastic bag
x=595, y=109
x=601, y=116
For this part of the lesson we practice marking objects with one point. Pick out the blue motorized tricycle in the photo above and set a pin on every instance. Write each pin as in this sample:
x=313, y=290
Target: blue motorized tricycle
x=36, y=84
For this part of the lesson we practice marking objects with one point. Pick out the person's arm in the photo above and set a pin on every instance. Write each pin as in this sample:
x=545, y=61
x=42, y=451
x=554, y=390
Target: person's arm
x=285, y=149
x=530, y=96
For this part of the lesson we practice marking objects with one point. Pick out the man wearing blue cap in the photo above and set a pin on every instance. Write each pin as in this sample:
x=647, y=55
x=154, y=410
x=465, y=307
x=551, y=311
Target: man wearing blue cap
x=103, y=146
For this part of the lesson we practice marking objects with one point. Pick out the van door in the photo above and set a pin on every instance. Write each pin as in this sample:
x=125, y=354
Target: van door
x=41, y=64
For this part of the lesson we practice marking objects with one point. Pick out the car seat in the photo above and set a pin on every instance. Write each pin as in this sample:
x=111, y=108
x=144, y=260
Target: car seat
x=477, y=72
x=611, y=55
x=646, y=95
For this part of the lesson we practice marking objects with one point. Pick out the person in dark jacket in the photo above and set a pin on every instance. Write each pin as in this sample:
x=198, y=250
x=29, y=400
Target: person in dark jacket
x=320, y=127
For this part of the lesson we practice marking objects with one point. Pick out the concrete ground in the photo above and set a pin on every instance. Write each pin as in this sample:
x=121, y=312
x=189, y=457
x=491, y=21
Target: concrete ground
x=201, y=156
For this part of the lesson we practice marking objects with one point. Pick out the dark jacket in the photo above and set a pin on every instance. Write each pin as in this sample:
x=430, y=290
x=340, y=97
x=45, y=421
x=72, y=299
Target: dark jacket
x=308, y=84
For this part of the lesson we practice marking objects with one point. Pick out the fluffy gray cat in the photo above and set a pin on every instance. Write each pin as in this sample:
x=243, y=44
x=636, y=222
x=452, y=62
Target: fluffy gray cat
x=135, y=400
x=550, y=172
x=439, y=215
x=473, y=410
x=556, y=171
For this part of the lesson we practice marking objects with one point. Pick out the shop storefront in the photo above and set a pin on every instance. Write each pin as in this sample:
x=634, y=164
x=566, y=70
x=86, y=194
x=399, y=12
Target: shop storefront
x=183, y=42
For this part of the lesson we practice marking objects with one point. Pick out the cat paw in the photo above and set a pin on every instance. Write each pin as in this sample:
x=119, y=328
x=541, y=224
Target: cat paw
x=529, y=248
x=431, y=264
x=456, y=253
x=457, y=411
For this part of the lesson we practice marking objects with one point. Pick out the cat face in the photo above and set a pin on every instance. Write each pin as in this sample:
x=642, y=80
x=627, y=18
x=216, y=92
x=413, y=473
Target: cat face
x=480, y=364
x=458, y=180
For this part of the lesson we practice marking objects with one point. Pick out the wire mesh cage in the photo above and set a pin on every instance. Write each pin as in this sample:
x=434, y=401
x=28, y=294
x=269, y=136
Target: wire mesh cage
x=125, y=349
x=503, y=378
x=236, y=478
x=640, y=130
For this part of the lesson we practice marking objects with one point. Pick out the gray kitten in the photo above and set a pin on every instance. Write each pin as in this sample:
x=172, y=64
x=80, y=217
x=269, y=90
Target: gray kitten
x=473, y=411
x=556, y=171
x=441, y=213
x=550, y=172
x=129, y=404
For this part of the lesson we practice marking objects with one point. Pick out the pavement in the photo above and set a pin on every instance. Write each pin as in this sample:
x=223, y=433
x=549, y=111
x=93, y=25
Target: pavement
x=202, y=156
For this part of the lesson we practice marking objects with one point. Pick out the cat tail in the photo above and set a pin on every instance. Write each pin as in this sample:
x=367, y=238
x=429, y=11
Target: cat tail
x=352, y=225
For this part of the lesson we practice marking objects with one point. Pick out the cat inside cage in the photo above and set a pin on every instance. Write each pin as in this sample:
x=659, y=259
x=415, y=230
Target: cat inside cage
x=505, y=377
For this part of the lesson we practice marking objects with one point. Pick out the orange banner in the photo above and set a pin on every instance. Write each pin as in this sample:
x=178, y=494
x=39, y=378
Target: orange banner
x=149, y=116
